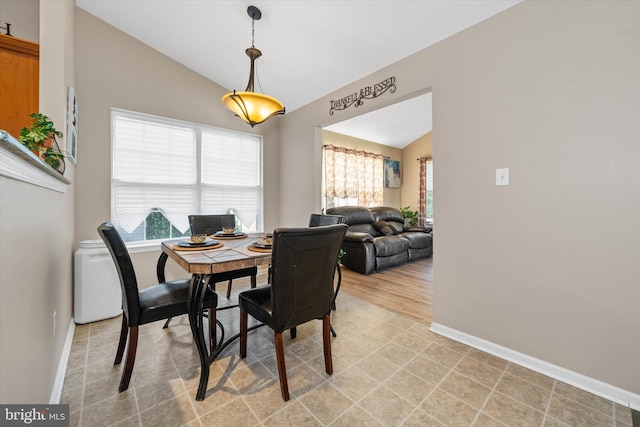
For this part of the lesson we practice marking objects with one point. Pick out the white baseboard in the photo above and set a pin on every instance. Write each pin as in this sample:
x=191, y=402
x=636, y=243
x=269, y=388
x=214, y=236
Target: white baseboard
x=597, y=387
x=56, y=393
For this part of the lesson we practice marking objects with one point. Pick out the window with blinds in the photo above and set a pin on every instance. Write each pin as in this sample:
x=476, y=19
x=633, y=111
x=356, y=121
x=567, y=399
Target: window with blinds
x=164, y=170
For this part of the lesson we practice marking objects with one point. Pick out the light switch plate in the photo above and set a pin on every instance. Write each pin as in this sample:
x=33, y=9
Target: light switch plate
x=502, y=176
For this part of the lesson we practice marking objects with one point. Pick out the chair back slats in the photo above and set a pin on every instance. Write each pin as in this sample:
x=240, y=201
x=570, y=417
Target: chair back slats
x=303, y=266
x=210, y=224
x=124, y=266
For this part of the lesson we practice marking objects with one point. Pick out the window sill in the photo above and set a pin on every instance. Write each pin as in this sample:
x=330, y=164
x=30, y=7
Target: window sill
x=17, y=162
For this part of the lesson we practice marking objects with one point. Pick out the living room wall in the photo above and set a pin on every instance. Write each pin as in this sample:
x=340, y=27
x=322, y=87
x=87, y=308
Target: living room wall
x=391, y=196
x=547, y=267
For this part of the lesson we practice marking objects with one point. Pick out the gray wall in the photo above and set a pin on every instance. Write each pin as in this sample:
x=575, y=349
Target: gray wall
x=550, y=265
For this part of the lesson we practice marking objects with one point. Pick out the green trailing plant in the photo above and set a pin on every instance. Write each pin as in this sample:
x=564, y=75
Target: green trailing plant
x=35, y=138
x=410, y=215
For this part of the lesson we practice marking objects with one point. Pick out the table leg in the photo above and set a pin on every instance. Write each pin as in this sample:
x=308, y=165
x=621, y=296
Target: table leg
x=197, y=290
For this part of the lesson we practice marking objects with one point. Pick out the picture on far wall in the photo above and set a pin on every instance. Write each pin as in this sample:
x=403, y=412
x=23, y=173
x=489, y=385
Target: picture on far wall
x=391, y=173
x=72, y=126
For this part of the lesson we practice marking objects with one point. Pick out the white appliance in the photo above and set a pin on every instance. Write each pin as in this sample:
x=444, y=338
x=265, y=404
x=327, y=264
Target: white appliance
x=97, y=293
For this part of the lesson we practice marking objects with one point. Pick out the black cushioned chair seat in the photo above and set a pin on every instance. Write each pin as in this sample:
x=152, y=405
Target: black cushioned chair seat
x=168, y=300
x=258, y=302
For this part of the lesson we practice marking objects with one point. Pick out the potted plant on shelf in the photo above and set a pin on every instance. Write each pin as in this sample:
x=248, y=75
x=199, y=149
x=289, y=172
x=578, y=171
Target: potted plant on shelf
x=410, y=216
x=40, y=138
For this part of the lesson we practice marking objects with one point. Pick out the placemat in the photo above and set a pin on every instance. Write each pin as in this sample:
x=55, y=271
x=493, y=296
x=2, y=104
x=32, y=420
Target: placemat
x=254, y=249
x=244, y=236
x=204, y=248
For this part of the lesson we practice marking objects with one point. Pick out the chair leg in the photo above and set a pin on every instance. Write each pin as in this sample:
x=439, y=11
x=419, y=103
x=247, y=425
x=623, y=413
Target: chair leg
x=244, y=318
x=131, y=359
x=124, y=330
x=212, y=329
x=166, y=324
x=282, y=370
x=229, y=289
x=326, y=342
x=293, y=332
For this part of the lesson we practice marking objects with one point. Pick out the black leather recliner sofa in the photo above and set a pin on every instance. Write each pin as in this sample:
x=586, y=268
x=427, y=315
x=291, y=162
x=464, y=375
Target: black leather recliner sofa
x=377, y=239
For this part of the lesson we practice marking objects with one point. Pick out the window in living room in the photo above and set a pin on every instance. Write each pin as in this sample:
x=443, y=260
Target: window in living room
x=425, y=214
x=352, y=177
x=164, y=170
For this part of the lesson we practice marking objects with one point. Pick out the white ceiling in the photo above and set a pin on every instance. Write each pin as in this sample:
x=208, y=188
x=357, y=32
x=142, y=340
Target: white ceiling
x=310, y=48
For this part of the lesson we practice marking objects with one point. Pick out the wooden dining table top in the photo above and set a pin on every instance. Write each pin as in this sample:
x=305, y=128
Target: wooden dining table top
x=232, y=255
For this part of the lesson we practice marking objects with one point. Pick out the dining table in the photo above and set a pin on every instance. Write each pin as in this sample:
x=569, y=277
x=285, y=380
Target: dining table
x=228, y=253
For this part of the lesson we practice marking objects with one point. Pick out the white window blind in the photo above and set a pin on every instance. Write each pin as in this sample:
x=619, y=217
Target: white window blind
x=164, y=170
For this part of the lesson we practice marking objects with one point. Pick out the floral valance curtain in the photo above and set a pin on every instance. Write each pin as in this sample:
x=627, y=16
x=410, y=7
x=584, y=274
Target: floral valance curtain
x=353, y=174
x=426, y=190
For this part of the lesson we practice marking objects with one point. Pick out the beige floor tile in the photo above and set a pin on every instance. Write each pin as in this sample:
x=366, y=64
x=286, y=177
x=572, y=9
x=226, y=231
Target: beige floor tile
x=443, y=355
x=110, y=410
x=354, y=382
x=478, y=371
x=512, y=412
x=326, y=403
x=448, y=409
x=177, y=411
x=420, y=418
x=292, y=415
x=465, y=389
x=584, y=398
x=570, y=412
x=265, y=400
x=409, y=386
x=524, y=392
x=373, y=346
x=427, y=369
x=396, y=354
x=158, y=391
x=356, y=417
x=386, y=406
x=531, y=376
x=235, y=413
x=377, y=367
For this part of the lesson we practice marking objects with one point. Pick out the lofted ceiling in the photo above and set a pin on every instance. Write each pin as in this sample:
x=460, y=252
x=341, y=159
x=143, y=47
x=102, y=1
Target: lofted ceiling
x=310, y=48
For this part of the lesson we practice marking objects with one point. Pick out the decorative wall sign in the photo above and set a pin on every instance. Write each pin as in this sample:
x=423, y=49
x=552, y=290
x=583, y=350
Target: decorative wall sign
x=391, y=173
x=72, y=126
x=367, y=92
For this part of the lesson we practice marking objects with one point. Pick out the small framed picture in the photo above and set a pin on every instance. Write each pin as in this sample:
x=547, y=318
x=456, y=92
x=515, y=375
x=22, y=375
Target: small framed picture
x=72, y=126
x=391, y=173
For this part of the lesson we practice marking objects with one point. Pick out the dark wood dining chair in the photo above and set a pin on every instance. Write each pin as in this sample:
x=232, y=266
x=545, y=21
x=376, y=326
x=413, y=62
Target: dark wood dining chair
x=158, y=302
x=303, y=265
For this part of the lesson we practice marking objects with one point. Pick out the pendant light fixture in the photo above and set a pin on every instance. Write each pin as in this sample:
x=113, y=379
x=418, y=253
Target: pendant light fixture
x=252, y=107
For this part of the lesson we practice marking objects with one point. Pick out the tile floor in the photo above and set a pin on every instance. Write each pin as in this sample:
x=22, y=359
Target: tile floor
x=389, y=370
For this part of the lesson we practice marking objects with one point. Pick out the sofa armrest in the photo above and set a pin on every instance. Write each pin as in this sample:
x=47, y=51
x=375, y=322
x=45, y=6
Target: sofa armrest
x=353, y=236
x=425, y=229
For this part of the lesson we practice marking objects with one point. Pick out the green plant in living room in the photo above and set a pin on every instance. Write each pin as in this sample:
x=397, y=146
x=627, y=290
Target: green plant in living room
x=40, y=138
x=410, y=216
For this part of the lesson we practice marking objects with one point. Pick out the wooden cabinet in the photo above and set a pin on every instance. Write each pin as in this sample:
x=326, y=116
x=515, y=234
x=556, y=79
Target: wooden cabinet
x=19, y=83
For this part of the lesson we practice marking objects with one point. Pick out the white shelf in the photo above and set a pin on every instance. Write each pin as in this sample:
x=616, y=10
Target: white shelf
x=17, y=162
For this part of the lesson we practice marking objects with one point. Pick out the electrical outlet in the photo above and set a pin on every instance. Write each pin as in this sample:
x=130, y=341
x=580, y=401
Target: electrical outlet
x=54, y=323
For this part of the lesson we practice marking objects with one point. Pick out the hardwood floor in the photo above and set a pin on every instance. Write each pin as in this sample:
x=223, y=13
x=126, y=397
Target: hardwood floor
x=406, y=289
